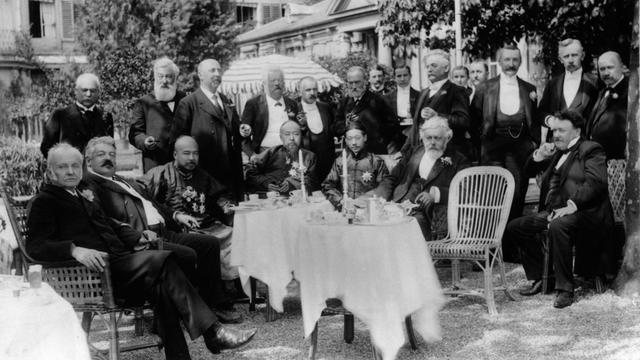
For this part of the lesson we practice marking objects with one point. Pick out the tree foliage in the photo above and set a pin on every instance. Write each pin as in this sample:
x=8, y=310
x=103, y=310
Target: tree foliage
x=487, y=24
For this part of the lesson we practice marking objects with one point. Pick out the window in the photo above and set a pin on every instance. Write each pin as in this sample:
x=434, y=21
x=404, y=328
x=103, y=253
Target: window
x=245, y=14
x=271, y=12
x=42, y=19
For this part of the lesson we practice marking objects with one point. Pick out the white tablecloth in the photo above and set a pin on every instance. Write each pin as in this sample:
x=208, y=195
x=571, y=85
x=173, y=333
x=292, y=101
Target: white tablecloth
x=381, y=273
x=38, y=324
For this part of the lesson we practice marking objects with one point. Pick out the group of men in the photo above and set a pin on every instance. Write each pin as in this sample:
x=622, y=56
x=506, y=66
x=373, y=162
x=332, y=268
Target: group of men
x=200, y=157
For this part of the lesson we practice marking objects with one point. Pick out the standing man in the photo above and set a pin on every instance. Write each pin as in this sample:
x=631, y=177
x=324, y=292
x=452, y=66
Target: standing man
x=403, y=98
x=445, y=99
x=573, y=89
x=376, y=80
x=608, y=121
x=265, y=114
x=504, y=109
x=379, y=120
x=78, y=123
x=478, y=72
x=210, y=118
x=575, y=211
x=150, y=129
x=316, y=120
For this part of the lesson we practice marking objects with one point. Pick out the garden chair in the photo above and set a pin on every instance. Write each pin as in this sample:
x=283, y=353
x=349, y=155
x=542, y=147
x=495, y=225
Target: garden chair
x=479, y=202
x=87, y=291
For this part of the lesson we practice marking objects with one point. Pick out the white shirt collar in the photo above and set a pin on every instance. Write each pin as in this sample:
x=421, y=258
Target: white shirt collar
x=271, y=102
x=573, y=75
x=100, y=175
x=84, y=108
x=405, y=89
x=309, y=107
x=208, y=93
x=435, y=86
x=573, y=142
x=508, y=80
x=617, y=82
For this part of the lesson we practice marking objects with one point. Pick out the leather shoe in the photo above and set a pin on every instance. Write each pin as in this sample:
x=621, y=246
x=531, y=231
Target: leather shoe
x=535, y=288
x=228, y=316
x=222, y=338
x=563, y=299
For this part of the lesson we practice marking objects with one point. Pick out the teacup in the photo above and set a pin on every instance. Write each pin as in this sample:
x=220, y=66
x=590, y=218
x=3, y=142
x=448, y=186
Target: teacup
x=272, y=194
x=295, y=195
x=254, y=197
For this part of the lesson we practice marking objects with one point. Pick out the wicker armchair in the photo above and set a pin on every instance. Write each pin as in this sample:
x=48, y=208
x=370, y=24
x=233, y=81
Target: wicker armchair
x=479, y=202
x=87, y=291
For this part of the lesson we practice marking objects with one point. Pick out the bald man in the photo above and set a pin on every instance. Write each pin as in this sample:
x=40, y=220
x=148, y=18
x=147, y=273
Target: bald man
x=211, y=119
x=278, y=168
x=80, y=121
x=607, y=124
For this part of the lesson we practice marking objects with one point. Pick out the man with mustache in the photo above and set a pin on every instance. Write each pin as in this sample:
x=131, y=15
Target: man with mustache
x=128, y=202
x=504, y=114
x=574, y=207
x=66, y=223
x=608, y=121
x=279, y=168
x=443, y=98
x=316, y=120
x=573, y=89
x=150, y=129
x=372, y=110
x=183, y=186
x=210, y=118
x=376, y=80
x=478, y=72
x=423, y=175
x=81, y=121
x=265, y=114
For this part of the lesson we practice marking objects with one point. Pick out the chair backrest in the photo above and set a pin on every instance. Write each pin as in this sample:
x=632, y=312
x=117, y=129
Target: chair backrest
x=616, y=170
x=17, y=211
x=479, y=202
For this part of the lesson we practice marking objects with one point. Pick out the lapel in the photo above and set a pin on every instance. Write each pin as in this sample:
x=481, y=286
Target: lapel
x=580, y=95
x=601, y=106
x=435, y=100
x=364, y=100
x=109, y=185
x=569, y=162
x=414, y=163
x=493, y=88
x=525, y=100
x=264, y=109
x=559, y=89
x=227, y=109
x=393, y=100
x=438, y=166
x=206, y=105
x=78, y=119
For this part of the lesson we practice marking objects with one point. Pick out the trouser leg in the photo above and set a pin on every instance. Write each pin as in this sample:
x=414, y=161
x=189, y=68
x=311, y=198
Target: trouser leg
x=521, y=233
x=424, y=217
x=561, y=234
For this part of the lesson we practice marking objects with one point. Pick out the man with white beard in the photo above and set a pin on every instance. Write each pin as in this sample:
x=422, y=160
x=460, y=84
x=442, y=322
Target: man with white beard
x=153, y=115
x=424, y=174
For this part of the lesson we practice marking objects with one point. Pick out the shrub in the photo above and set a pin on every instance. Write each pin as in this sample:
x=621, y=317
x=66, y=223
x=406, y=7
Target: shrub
x=21, y=166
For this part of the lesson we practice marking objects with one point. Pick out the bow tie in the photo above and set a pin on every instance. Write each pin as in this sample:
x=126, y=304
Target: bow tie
x=278, y=103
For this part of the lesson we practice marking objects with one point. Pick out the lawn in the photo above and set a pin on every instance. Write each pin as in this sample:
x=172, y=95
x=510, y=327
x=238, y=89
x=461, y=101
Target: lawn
x=597, y=326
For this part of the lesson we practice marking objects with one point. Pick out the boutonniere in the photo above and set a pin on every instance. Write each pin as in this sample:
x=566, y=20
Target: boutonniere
x=533, y=95
x=193, y=201
x=446, y=161
x=87, y=194
x=366, y=177
x=297, y=170
x=614, y=95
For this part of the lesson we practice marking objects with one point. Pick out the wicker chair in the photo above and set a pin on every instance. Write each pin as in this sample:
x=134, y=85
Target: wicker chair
x=87, y=291
x=479, y=202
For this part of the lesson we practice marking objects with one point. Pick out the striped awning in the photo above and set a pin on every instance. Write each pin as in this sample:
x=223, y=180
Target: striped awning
x=246, y=76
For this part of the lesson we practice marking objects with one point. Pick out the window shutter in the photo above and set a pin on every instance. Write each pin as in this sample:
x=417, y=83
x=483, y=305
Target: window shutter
x=67, y=19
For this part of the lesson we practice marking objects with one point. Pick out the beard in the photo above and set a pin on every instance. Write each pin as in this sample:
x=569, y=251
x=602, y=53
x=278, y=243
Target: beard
x=434, y=154
x=165, y=93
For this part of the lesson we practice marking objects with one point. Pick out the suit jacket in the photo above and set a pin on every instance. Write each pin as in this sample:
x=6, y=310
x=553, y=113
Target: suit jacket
x=486, y=104
x=152, y=117
x=75, y=128
x=218, y=137
x=553, y=101
x=376, y=116
x=404, y=182
x=584, y=181
x=124, y=208
x=273, y=166
x=256, y=115
x=321, y=144
x=608, y=121
x=451, y=102
x=58, y=219
x=392, y=99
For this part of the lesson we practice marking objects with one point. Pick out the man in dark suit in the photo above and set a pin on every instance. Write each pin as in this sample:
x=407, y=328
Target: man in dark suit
x=376, y=80
x=265, y=113
x=210, y=118
x=445, y=99
x=316, y=120
x=66, y=223
x=152, y=121
x=403, y=98
x=424, y=174
x=573, y=89
x=504, y=111
x=129, y=203
x=383, y=130
x=575, y=210
x=79, y=122
x=608, y=121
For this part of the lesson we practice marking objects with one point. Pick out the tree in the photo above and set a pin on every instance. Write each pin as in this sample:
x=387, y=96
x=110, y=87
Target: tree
x=487, y=24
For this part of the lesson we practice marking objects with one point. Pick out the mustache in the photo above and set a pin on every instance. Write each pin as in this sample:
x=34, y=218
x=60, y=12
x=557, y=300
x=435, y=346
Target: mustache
x=511, y=68
x=107, y=162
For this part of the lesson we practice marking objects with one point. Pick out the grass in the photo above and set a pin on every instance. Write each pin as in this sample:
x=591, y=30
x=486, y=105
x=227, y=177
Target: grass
x=597, y=326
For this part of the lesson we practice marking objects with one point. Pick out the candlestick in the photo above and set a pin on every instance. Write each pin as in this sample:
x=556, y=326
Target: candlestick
x=345, y=180
x=301, y=170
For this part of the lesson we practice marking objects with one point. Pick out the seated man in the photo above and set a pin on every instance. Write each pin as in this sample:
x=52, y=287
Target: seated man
x=278, y=168
x=364, y=169
x=128, y=203
x=65, y=223
x=424, y=174
x=184, y=187
x=576, y=209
